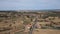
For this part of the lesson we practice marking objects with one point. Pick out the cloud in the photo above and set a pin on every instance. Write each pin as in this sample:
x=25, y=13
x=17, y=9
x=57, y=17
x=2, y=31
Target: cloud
x=29, y=4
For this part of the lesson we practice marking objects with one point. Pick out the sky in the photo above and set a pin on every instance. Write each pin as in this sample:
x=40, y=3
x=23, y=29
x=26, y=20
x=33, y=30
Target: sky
x=29, y=4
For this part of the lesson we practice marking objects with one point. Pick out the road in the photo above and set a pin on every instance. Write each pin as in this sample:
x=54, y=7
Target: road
x=33, y=27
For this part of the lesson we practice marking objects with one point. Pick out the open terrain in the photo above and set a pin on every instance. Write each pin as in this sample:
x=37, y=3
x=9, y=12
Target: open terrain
x=29, y=22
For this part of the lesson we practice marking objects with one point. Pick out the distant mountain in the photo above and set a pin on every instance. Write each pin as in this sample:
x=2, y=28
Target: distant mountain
x=53, y=10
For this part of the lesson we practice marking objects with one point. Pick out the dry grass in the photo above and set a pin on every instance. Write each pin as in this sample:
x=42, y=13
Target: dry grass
x=46, y=31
